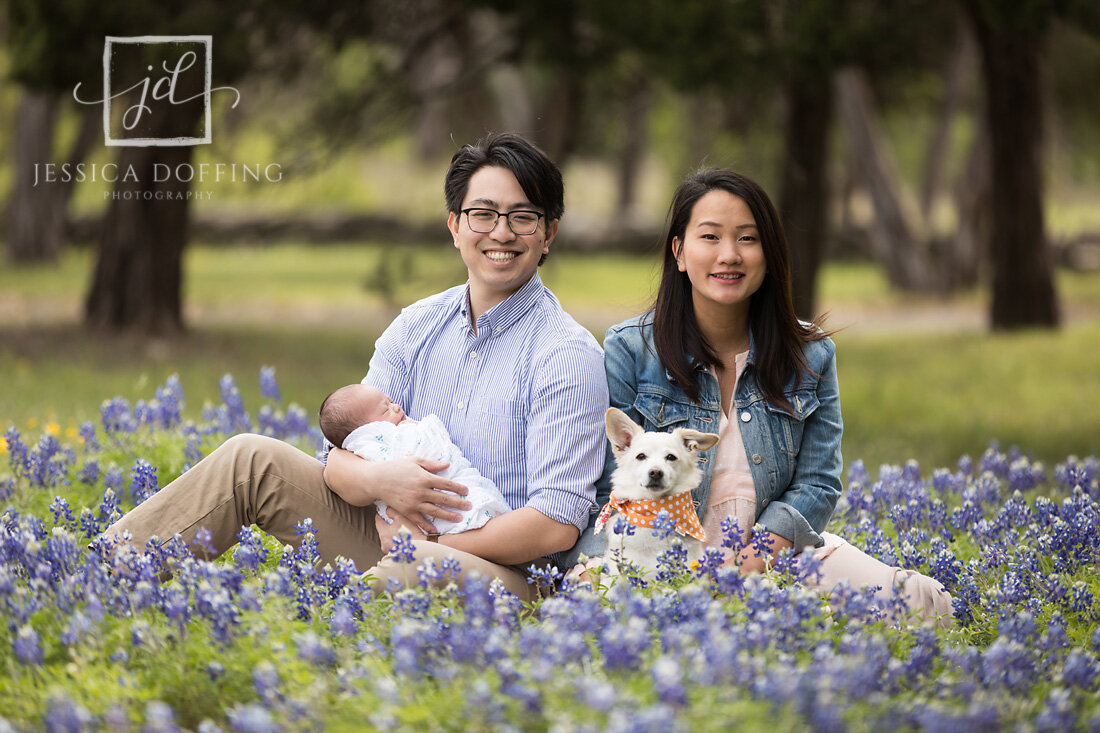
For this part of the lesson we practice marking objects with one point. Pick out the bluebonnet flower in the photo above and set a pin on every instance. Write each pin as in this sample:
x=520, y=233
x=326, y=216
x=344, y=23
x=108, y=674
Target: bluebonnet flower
x=76, y=628
x=215, y=670
x=27, y=646
x=664, y=525
x=403, y=550
x=761, y=542
x=266, y=681
x=65, y=714
x=61, y=510
x=1009, y=664
x=116, y=417
x=547, y=576
x=994, y=461
x=236, y=418
x=1057, y=714
x=89, y=472
x=1081, y=600
x=143, y=481
x=268, y=386
x=204, y=541
x=623, y=527
x=315, y=650
x=251, y=553
x=672, y=563
x=87, y=433
x=46, y=465
x=732, y=536
x=1080, y=670
x=623, y=644
x=668, y=681
x=296, y=422
x=710, y=561
x=343, y=621
x=169, y=400
x=159, y=718
x=252, y=718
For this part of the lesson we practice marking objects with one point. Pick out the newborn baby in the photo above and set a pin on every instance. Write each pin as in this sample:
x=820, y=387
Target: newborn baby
x=365, y=421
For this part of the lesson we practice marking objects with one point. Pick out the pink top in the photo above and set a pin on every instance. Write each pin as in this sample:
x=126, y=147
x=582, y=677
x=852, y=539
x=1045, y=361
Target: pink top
x=732, y=491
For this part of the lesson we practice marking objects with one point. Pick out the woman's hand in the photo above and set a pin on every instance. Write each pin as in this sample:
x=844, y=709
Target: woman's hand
x=750, y=562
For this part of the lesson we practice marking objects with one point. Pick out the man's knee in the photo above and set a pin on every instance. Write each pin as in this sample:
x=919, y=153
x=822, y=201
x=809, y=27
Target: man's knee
x=256, y=451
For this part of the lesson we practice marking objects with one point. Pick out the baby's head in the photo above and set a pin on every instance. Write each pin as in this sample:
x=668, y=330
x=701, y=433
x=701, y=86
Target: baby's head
x=356, y=404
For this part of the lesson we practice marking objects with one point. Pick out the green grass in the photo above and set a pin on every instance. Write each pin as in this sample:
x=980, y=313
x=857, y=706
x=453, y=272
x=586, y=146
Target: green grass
x=930, y=394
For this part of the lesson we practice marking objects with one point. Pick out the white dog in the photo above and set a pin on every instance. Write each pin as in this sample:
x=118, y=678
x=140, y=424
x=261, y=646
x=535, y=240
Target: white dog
x=654, y=471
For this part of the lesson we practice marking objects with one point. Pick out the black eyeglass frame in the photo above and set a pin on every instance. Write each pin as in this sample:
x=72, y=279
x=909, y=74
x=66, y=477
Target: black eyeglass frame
x=507, y=217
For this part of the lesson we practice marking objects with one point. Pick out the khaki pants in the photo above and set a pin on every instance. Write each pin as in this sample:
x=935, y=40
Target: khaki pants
x=926, y=597
x=252, y=479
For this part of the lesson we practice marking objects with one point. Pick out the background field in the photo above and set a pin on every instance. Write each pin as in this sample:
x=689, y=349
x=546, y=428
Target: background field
x=920, y=378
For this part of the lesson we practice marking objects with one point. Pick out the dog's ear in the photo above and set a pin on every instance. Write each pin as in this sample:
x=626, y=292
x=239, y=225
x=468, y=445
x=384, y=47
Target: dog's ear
x=696, y=441
x=620, y=429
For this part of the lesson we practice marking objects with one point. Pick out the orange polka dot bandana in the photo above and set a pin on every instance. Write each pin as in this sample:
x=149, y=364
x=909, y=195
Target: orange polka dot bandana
x=643, y=513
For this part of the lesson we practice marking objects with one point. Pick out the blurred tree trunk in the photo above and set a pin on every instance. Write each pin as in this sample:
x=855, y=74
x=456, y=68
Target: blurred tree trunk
x=956, y=74
x=559, y=116
x=1023, y=274
x=973, y=211
x=632, y=152
x=893, y=241
x=804, y=194
x=434, y=71
x=137, y=283
x=35, y=223
x=37, y=213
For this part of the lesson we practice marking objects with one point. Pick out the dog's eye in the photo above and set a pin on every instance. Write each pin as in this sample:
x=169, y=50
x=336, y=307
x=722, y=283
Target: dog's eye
x=670, y=457
x=640, y=457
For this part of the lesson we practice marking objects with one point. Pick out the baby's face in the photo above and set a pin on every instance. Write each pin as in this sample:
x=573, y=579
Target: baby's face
x=376, y=406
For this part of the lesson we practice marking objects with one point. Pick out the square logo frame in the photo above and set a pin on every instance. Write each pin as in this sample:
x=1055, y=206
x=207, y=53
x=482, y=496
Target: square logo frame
x=109, y=41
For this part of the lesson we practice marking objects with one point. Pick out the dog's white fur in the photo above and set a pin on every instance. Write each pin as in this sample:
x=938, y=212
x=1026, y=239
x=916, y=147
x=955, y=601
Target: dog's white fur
x=651, y=466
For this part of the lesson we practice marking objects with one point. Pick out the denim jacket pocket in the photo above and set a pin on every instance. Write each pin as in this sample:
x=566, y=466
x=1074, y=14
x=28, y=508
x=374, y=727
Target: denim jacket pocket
x=803, y=403
x=661, y=413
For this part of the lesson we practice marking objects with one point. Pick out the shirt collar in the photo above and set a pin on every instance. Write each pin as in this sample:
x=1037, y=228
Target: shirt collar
x=508, y=311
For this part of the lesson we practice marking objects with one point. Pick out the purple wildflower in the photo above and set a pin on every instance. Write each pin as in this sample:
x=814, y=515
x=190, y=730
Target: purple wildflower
x=268, y=386
x=403, y=550
x=27, y=647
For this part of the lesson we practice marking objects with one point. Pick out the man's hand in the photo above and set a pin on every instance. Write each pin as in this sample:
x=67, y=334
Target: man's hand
x=386, y=532
x=415, y=490
x=408, y=485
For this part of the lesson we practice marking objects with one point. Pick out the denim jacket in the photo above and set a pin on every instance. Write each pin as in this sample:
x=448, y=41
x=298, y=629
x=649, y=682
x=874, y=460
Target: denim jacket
x=795, y=460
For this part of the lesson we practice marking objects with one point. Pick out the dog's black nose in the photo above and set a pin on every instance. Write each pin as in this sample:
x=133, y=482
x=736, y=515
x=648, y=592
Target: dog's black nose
x=656, y=474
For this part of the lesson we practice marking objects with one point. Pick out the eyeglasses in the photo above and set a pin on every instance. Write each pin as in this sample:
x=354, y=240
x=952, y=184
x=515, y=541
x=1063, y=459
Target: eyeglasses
x=521, y=222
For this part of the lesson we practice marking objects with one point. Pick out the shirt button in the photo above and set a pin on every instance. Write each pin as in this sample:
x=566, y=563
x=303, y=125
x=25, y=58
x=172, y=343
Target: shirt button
x=460, y=405
x=473, y=354
x=746, y=416
x=757, y=459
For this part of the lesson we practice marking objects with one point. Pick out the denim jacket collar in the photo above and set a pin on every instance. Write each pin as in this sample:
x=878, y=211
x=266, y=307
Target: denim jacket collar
x=699, y=366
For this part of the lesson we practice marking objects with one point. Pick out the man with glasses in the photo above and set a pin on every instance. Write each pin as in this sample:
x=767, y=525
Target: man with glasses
x=517, y=382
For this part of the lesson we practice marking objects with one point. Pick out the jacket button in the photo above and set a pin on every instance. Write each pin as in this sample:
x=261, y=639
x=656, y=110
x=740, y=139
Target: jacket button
x=746, y=416
x=757, y=459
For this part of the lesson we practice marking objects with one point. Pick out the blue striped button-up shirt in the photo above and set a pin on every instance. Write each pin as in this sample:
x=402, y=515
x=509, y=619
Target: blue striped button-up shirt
x=523, y=397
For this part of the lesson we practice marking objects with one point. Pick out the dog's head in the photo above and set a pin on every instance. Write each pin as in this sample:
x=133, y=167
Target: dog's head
x=653, y=465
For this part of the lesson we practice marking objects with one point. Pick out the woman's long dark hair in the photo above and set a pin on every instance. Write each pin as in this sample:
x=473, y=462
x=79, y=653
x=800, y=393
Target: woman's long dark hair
x=778, y=335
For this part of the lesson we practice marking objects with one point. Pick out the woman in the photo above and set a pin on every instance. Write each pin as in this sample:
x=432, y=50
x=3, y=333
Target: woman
x=722, y=351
